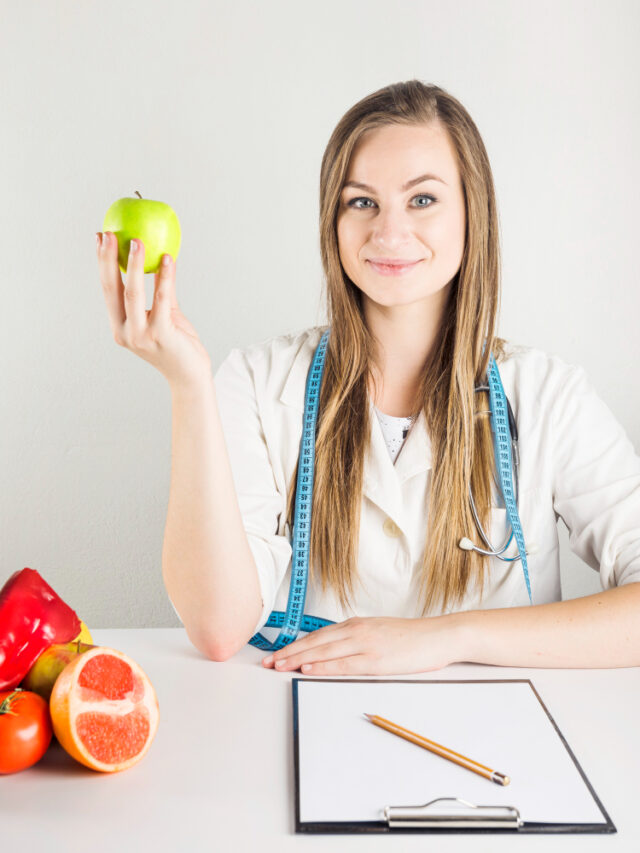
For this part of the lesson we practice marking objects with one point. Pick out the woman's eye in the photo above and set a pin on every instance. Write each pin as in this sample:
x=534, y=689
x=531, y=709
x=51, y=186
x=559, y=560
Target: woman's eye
x=423, y=195
x=353, y=202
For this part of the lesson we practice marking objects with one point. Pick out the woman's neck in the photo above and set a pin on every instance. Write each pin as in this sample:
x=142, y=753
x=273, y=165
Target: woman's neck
x=404, y=336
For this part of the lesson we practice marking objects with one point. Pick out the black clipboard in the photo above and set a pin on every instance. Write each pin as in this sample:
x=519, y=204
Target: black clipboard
x=444, y=814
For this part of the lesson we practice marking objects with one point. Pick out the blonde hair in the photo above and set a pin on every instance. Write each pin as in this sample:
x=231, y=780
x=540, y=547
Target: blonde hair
x=456, y=419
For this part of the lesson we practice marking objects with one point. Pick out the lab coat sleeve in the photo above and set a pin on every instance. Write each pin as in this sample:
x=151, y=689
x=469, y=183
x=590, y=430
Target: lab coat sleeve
x=596, y=480
x=259, y=499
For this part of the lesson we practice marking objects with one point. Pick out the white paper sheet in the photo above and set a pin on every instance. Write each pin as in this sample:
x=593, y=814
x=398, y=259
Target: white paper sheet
x=350, y=769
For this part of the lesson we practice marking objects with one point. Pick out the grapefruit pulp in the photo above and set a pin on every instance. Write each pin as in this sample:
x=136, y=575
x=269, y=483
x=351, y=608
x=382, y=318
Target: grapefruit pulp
x=104, y=710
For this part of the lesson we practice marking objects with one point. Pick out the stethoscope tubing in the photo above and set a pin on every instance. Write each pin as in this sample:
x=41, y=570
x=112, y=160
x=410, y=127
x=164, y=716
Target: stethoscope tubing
x=492, y=551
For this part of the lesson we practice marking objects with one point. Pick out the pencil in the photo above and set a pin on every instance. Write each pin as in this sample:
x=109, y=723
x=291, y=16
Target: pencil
x=438, y=749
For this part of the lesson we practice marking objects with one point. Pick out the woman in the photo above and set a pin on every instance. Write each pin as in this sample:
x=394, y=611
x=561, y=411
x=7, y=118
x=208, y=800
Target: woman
x=409, y=244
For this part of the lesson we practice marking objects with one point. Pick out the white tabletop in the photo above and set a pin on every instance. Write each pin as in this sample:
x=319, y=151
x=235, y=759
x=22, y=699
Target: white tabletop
x=219, y=773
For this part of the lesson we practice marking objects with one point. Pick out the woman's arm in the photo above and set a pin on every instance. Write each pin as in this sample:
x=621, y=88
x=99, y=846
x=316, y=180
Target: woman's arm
x=207, y=565
x=597, y=631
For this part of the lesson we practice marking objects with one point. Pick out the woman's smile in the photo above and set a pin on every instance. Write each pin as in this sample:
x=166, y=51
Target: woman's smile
x=392, y=269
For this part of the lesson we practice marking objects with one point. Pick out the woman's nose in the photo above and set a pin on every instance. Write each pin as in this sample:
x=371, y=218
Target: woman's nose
x=391, y=227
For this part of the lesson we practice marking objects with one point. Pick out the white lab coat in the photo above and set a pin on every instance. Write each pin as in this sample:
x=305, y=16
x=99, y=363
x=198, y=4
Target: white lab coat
x=576, y=463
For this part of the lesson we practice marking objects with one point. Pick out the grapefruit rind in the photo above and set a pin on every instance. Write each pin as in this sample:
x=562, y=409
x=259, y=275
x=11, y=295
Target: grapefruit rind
x=118, y=725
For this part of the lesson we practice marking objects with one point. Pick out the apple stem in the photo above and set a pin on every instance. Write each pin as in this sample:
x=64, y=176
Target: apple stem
x=138, y=194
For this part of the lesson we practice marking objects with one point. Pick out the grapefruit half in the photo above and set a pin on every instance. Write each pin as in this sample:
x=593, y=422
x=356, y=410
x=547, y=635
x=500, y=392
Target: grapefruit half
x=104, y=710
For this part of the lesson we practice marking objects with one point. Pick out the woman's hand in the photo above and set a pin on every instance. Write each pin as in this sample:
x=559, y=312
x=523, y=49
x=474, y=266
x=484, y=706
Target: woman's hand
x=373, y=646
x=162, y=335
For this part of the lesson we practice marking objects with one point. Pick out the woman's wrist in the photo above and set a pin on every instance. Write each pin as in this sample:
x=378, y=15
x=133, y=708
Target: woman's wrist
x=193, y=386
x=444, y=640
x=462, y=633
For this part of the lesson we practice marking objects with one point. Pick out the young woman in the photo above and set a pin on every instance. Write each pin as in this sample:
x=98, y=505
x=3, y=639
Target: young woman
x=404, y=451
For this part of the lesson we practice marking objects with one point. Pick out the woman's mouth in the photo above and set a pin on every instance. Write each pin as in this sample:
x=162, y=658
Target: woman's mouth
x=392, y=269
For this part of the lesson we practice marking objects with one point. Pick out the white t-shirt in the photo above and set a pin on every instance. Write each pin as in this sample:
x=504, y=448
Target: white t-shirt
x=394, y=430
x=576, y=463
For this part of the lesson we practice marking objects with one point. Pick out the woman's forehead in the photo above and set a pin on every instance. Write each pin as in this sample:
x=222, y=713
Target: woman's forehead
x=397, y=154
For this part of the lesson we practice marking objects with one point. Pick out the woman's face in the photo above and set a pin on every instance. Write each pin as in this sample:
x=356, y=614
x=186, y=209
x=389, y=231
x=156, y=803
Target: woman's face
x=386, y=219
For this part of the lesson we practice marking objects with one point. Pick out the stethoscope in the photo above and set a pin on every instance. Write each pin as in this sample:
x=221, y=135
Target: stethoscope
x=465, y=543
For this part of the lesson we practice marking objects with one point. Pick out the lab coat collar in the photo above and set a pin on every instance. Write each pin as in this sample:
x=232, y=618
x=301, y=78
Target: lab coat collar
x=382, y=482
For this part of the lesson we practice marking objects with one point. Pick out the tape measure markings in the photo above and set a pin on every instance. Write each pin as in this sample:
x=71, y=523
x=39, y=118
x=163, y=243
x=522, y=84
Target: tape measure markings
x=294, y=619
x=502, y=449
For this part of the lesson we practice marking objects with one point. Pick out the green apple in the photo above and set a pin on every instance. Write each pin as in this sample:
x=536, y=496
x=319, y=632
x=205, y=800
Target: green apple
x=153, y=222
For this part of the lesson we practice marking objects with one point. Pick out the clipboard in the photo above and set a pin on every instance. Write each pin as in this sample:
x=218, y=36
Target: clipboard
x=349, y=773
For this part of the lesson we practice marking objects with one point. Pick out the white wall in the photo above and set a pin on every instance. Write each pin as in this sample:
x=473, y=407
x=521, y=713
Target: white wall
x=223, y=110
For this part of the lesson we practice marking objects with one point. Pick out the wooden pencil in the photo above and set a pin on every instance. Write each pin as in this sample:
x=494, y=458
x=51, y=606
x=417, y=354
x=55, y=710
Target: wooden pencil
x=438, y=749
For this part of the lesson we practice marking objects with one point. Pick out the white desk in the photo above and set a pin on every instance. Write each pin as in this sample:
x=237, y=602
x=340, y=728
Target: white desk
x=219, y=773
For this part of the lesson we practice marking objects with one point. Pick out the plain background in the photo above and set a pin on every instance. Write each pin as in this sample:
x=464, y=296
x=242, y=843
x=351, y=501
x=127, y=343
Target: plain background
x=223, y=110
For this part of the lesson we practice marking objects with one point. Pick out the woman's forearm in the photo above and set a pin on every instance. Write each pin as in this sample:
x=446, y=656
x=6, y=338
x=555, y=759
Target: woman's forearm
x=597, y=631
x=207, y=564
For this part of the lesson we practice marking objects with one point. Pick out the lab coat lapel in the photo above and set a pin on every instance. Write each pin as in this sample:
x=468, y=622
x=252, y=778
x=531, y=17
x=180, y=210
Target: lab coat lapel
x=415, y=455
x=383, y=480
x=381, y=484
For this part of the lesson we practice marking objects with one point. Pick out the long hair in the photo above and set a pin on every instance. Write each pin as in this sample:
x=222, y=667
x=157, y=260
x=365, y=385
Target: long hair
x=456, y=419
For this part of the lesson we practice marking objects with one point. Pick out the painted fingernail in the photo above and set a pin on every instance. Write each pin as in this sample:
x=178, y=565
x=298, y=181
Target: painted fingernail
x=133, y=247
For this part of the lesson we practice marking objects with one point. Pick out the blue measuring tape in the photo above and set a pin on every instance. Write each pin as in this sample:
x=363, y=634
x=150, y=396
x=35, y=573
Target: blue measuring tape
x=294, y=619
x=502, y=452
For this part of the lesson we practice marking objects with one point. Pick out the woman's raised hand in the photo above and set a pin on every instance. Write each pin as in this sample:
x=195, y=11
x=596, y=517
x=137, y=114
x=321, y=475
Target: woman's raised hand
x=162, y=335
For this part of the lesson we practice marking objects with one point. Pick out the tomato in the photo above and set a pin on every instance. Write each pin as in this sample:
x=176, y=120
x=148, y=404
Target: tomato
x=25, y=729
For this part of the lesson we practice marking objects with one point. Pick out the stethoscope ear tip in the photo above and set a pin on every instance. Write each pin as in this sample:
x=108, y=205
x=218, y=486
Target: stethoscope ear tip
x=466, y=544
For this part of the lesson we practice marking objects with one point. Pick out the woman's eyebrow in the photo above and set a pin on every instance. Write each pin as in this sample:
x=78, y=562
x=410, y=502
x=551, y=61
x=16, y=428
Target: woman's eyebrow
x=357, y=185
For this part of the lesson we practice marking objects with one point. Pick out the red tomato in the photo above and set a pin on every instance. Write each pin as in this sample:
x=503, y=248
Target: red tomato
x=25, y=729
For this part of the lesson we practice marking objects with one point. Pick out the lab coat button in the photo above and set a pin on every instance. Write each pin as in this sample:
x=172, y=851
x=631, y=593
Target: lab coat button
x=391, y=528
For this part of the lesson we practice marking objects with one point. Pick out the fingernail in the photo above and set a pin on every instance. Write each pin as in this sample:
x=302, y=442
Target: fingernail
x=133, y=247
x=268, y=659
x=281, y=662
x=165, y=260
x=98, y=239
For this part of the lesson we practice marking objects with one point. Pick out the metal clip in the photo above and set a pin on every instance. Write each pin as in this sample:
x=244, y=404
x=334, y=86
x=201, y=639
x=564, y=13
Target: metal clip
x=453, y=812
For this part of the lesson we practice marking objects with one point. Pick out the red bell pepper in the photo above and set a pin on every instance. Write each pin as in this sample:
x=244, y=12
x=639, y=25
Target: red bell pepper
x=32, y=617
